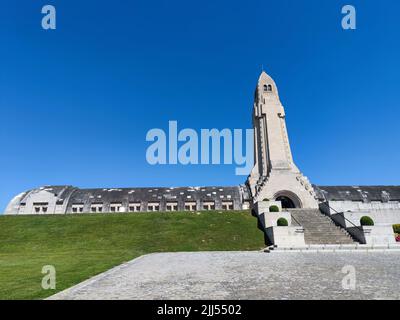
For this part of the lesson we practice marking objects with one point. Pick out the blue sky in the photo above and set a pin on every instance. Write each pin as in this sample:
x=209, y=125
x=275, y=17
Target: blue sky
x=76, y=103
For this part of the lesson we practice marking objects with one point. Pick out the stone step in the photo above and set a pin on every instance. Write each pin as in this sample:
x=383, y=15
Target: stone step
x=326, y=240
x=319, y=228
x=321, y=235
x=334, y=248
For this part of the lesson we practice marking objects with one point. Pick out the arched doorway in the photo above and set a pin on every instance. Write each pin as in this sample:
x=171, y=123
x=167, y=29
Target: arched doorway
x=289, y=199
x=287, y=203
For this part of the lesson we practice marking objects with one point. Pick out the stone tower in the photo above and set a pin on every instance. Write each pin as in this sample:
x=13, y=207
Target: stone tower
x=275, y=176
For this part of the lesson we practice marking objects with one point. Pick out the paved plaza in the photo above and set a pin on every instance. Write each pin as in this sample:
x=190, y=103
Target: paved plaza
x=245, y=275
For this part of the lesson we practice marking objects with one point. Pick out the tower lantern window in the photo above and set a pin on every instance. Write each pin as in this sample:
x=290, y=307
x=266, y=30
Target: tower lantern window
x=267, y=88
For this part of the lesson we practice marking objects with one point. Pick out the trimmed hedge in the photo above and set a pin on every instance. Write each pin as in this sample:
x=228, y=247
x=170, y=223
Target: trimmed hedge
x=282, y=222
x=396, y=228
x=266, y=199
x=273, y=208
x=366, y=221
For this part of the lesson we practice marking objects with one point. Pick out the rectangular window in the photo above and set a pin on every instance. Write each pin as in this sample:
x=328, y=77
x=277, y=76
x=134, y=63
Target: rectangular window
x=172, y=206
x=77, y=208
x=190, y=206
x=40, y=207
x=115, y=207
x=227, y=205
x=153, y=206
x=209, y=205
x=134, y=207
x=96, y=207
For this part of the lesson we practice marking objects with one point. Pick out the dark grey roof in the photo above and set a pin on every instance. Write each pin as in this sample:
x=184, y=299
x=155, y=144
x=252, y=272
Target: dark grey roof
x=109, y=195
x=358, y=193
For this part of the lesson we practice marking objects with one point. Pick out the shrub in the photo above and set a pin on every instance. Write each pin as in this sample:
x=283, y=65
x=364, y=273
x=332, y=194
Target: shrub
x=274, y=209
x=366, y=221
x=266, y=199
x=396, y=228
x=282, y=222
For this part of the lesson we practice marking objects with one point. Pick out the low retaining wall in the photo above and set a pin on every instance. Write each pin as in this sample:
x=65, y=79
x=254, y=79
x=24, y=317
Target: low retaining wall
x=286, y=236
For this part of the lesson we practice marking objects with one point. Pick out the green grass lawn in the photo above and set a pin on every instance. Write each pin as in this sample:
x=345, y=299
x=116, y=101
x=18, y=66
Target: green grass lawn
x=81, y=246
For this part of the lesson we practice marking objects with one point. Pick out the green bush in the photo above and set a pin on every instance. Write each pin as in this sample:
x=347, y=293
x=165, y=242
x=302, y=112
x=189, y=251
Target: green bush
x=266, y=199
x=273, y=208
x=396, y=228
x=366, y=221
x=282, y=222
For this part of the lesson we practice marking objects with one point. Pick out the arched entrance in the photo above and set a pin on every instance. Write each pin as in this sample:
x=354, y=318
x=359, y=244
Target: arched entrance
x=287, y=203
x=288, y=199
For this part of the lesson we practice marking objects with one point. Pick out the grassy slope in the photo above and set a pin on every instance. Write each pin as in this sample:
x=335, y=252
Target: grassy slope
x=80, y=246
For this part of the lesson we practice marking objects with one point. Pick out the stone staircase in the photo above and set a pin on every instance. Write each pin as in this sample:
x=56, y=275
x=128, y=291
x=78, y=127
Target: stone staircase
x=319, y=228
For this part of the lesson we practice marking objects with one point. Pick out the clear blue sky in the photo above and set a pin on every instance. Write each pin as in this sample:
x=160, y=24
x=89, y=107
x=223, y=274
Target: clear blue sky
x=76, y=103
